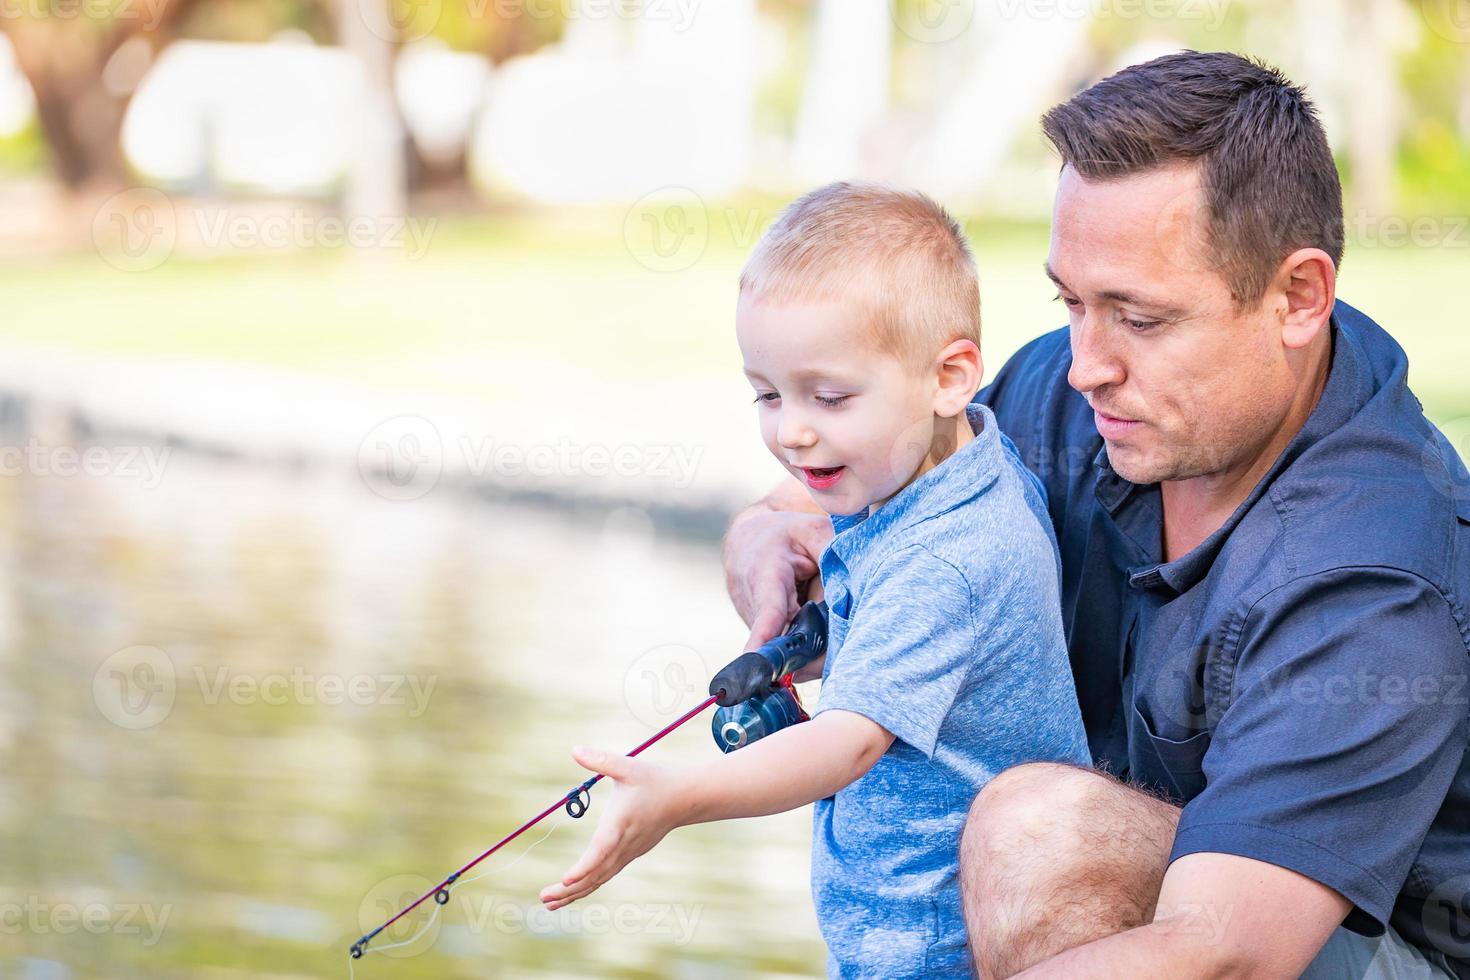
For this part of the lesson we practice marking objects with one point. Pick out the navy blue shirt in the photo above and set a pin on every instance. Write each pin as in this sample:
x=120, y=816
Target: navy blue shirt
x=1300, y=681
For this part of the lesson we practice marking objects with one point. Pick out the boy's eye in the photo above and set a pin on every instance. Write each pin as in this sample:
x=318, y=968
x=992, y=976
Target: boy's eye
x=832, y=401
x=766, y=396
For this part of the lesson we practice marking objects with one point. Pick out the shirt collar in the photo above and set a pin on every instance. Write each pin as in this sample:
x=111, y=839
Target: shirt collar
x=1347, y=388
x=966, y=474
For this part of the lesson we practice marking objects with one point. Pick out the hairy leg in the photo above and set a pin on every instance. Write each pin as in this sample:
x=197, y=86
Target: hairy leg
x=1055, y=856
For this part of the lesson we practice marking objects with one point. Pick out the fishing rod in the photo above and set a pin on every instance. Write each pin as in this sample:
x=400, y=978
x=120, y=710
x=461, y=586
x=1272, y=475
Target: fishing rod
x=756, y=696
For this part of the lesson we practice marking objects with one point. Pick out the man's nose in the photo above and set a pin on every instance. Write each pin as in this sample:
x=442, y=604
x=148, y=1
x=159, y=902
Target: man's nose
x=1094, y=362
x=793, y=432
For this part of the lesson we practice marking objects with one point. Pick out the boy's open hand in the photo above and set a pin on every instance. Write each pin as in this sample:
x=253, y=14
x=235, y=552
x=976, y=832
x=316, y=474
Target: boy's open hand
x=640, y=812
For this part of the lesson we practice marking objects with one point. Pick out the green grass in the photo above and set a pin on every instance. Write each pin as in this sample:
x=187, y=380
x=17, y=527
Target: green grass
x=496, y=305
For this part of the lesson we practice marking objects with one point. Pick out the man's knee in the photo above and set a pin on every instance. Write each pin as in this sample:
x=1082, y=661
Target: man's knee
x=1035, y=803
x=1054, y=856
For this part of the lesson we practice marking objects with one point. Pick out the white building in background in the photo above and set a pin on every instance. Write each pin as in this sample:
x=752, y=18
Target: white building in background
x=271, y=118
x=846, y=94
x=17, y=101
x=439, y=93
x=622, y=107
x=1016, y=67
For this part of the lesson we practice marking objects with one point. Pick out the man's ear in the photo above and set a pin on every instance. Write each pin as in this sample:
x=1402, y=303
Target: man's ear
x=1305, y=287
x=959, y=370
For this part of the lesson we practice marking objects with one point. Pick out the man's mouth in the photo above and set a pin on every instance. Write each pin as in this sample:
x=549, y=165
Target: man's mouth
x=1112, y=426
x=822, y=477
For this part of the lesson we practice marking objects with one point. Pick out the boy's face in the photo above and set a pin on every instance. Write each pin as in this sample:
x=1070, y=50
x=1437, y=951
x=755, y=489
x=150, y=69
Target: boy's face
x=853, y=423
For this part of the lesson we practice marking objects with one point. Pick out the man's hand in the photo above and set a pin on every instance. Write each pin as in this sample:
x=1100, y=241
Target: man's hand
x=641, y=812
x=771, y=553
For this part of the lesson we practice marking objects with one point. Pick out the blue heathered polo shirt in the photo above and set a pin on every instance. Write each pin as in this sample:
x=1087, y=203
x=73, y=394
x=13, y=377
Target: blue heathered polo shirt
x=944, y=627
x=1299, y=680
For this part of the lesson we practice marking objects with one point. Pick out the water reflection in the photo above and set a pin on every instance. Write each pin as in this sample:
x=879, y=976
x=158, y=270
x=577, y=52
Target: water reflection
x=244, y=712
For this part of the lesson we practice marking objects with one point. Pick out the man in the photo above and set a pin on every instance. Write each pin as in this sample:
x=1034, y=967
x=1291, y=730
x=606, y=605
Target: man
x=1266, y=559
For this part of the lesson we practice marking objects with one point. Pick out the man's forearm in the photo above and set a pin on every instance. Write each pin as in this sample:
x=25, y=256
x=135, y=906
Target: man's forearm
x=1186, y=947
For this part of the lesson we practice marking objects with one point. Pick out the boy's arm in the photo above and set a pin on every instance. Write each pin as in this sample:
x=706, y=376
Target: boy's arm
x=787, y=769
x=784, y=770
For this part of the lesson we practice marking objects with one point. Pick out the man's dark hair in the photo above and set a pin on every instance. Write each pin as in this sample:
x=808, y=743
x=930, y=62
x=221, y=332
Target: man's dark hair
x=1268, y=179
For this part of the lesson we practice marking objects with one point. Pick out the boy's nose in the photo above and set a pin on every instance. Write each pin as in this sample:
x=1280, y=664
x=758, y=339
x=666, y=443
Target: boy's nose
x=792, y=433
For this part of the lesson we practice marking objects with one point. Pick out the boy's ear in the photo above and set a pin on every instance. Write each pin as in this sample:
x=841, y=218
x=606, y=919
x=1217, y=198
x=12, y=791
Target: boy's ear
x=959, y=371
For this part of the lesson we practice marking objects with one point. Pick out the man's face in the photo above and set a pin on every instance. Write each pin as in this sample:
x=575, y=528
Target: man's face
x=1181, y=383
x=854, y=424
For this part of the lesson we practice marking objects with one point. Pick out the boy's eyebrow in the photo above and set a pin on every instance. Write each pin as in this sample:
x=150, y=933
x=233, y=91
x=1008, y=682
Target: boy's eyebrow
x=801, y=374
x=1164, y=311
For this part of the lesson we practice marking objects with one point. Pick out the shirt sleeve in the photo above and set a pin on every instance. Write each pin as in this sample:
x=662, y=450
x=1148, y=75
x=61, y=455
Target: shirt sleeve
x=908, y=648
x=1347, y=726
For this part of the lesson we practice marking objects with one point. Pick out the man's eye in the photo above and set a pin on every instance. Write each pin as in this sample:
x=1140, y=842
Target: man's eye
x=1071, y=302
x=834, y=401
x=766, y=396
x=1140, y=326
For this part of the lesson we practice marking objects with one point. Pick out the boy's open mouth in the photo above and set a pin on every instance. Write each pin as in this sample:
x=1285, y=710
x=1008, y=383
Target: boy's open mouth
x=819, y=477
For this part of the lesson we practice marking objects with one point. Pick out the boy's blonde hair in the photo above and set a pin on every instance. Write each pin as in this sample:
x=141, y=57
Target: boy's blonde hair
x=894, y=253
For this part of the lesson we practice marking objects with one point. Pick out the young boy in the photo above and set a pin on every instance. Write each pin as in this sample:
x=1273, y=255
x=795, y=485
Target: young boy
x=859, y=322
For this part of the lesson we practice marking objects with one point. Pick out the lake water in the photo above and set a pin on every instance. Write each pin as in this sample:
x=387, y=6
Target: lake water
x=246, y=711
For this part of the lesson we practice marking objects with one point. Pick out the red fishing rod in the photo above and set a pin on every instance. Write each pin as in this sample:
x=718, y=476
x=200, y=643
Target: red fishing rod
x=754, y=692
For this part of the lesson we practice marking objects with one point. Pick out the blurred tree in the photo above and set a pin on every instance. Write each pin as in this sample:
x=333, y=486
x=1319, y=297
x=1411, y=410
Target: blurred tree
x=497, y=29
x=83, y=58
x=65, y=53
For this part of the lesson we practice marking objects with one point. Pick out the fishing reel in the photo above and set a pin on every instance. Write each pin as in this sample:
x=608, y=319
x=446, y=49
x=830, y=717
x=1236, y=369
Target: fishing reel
x=756, y=693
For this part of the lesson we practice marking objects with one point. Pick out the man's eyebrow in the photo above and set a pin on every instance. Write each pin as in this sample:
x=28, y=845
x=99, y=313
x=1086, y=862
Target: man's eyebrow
x=1163, y=310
